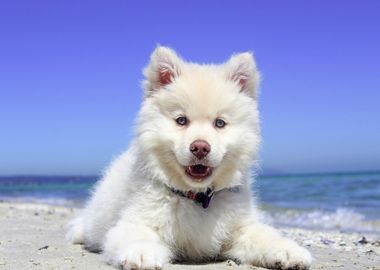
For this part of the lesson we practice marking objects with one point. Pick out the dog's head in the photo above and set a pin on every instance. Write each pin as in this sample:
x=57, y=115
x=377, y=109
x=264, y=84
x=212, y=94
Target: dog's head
x=199, y=124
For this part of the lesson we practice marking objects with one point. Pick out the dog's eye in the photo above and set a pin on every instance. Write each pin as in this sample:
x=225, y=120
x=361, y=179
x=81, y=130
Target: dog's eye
x=182, y=120
x=219, y=123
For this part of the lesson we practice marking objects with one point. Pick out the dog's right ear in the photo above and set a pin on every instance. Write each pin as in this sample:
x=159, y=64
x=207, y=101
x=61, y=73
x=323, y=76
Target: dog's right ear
x=164, y=67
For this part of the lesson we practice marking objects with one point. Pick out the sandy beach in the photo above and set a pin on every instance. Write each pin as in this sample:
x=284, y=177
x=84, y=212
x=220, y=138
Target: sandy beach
x=32, y=237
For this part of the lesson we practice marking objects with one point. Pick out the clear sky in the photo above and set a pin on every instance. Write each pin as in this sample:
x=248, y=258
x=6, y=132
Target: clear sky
x=70, y=75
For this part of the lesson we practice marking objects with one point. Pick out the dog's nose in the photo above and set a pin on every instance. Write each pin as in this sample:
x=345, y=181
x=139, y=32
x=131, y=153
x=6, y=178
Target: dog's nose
x=200, y=148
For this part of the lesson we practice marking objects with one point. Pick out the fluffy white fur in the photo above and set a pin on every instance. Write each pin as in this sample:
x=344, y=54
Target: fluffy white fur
x=138, y=222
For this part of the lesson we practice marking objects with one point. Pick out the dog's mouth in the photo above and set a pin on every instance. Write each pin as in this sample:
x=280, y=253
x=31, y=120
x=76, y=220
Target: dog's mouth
x=198, y=172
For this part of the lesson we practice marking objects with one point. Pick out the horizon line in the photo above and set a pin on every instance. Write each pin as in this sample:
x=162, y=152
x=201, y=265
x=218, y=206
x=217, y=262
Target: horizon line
x=259, y=174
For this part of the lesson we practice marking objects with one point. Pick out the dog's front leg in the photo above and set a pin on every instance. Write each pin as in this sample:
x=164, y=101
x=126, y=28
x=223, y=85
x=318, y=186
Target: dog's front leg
x=135, y=246
x=260, y=245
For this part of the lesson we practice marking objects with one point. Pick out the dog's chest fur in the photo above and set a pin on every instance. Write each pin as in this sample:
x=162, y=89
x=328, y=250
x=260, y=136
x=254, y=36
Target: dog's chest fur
x=195, y=233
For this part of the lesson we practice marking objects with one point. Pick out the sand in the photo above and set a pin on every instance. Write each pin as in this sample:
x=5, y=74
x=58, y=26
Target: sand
x=32, y=237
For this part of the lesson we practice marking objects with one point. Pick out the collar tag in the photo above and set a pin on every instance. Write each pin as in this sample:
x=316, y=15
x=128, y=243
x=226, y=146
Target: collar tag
x=207, y=197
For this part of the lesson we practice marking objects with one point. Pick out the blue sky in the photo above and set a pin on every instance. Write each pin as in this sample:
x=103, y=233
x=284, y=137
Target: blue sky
x=70, y=75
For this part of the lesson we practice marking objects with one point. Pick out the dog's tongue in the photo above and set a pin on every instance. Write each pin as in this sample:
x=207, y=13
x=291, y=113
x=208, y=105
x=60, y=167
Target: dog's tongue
x=198, y=172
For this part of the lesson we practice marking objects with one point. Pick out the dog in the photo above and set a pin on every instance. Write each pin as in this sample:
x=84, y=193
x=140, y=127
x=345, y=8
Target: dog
x=182, y=191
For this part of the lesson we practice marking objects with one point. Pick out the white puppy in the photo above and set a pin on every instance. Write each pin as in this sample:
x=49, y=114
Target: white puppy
x=183, y=189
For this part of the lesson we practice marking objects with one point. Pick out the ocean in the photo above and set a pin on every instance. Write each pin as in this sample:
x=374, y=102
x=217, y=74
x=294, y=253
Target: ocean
x=347, y=202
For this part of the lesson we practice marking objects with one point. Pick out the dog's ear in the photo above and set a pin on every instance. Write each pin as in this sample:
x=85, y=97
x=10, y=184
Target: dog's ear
x=163, y=68
x=241, y=69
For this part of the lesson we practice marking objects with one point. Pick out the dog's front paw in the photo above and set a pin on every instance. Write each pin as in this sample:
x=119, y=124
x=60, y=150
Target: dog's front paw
x=286, y=254
x=143, y=255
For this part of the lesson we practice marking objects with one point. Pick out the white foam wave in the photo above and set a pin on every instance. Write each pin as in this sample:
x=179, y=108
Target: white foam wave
x=341, y=219
x=47, y=200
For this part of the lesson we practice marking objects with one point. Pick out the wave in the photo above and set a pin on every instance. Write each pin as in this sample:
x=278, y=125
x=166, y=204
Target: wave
x=55, y=201
x=342, y=219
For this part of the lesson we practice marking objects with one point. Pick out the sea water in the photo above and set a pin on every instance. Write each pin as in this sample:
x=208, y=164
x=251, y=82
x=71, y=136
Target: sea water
x=343, y=201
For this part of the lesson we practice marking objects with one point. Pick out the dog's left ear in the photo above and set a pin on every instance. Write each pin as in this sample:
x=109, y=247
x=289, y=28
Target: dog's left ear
x=164, y=67
x=241, y=69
